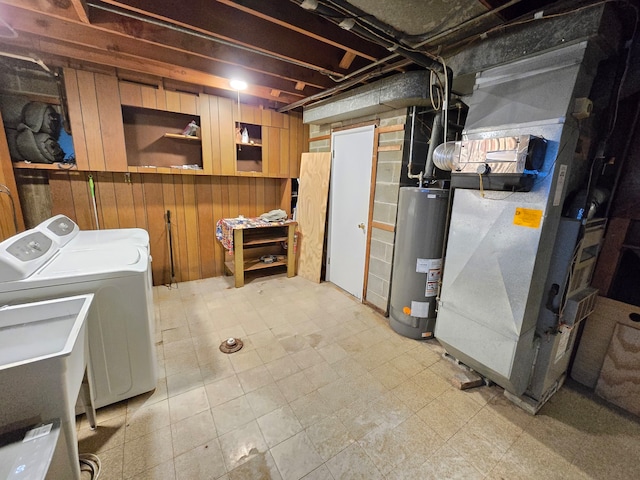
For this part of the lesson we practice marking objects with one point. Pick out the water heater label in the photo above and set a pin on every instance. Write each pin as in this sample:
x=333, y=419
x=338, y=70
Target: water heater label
x=420, y=309
x=527, y=217
x=433, y=268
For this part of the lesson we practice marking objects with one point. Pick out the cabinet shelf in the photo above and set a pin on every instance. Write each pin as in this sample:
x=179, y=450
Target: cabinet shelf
x=179, y=136
x=254, y=144
x=46, y=166
x=253, y=265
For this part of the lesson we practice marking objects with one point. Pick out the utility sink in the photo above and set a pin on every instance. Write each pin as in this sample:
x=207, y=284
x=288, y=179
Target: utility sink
x=43, y=357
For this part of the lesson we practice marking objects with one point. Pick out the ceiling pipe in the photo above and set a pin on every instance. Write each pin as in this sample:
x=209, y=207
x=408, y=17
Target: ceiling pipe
x=344, y=86
x=421, y=40
x=344, y=15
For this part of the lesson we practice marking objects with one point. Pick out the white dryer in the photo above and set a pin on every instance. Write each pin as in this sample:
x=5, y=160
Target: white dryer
x=120, y=323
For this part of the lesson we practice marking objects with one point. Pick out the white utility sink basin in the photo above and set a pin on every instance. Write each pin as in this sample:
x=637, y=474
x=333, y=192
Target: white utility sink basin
x=43, y=357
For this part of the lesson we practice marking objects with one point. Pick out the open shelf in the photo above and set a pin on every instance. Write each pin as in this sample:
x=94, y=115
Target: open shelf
x=46, y=166
x=249, y=154
x=179, y=136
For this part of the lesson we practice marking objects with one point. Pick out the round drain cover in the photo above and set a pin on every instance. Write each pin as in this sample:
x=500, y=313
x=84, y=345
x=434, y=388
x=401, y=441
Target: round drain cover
x=231, y=345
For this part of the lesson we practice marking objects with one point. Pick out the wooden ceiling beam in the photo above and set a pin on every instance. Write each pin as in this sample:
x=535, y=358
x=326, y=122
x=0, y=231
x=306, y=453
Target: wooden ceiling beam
x=84, y=35
x=310, y=24
x=69, y=55
x=80, y=6
x=230, y=24
x=196, y=46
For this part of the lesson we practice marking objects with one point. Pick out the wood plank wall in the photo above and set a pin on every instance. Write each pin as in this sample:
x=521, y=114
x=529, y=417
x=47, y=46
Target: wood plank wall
x=196, y=203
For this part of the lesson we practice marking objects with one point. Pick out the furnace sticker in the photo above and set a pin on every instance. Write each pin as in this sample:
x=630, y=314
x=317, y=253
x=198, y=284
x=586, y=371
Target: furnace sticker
x=527, y=217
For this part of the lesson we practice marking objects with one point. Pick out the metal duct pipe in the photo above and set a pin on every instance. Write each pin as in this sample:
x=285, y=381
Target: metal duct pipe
x=434, y=141
x=380, y=33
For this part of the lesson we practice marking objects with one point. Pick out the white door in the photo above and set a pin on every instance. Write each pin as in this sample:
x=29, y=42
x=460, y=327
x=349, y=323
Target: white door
x=349, y=191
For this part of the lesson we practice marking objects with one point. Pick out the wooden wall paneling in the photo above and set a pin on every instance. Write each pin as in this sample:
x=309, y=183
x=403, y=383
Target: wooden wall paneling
x=154, y=200
x=285, y=195
x=284, y=152
x=234, y=204
x=227, y=136
x=244, y=201
x=206, y=227
x=224, y=199
x=106, y=200
x=130, y=94
x=191, y=226
x=265, y=117
x=294, y=148
x=171, y=203
x=271, y=194
x=260, y=196
x=189, y=103
x=111, y=124
x=270, y=151
x=206, y=134
x=125, y=202
x=172, y=101
x=218, y=213
x=61, y=194
x=8, y=179
x=149, y=96
x=252, y=198
x=82, y=203
x=91, y=120
x=278, y=120
x=311, y=214
x=74, y=108
x=139, y=202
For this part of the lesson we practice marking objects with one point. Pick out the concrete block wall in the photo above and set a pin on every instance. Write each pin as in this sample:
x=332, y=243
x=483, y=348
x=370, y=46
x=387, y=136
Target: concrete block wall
x=385, y=203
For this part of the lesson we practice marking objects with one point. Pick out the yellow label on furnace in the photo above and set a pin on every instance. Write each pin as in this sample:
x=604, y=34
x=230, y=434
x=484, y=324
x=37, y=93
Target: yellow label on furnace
x=527, y=217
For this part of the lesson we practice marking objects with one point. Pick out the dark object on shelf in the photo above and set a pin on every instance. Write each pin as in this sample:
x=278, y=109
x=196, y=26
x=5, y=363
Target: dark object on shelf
x=268, y=258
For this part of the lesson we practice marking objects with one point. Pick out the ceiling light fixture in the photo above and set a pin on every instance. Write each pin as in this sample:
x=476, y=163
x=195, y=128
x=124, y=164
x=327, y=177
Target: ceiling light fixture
x=238, y=84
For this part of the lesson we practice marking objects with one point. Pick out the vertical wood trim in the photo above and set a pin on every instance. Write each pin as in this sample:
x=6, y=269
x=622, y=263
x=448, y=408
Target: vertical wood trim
x=227, y=136
x=106, y=198
x=7, y=178
x=216, y=198
x=91, y=120
x=191, y=226
x=139, y=201
x=124, y=201
x=285, y=160
x=205, y=134
x=285, y=195
x=153, y=195
x=82, y=203
x=372, y=193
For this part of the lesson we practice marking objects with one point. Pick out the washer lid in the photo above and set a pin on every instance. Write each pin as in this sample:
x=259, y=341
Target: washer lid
x=79, y=262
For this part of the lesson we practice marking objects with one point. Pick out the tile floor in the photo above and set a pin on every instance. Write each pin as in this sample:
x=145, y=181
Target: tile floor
x=323, y=389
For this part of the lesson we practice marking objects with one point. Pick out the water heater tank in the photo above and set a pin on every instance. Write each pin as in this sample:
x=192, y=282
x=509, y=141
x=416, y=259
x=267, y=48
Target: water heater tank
x=417, y=261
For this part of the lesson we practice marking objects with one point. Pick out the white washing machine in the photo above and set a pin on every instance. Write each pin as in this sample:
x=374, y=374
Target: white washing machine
x=33, y=266
x=66, y=232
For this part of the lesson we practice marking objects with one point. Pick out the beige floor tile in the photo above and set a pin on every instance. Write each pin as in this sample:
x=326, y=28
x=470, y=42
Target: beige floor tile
x=111, y=462
x=296, y=457
x=412, y=395
x=311, y=408
x=245, y=360
x=193, y=431
x=389, y=375
x=221, y=391
x=242, y=444
x=147, y=451
x=480, y=452
x=181, y=363
x=232, y=414
x=408, y=364
x=188, y=404
x=282, y=367
x=332, y=352
x=265, y=399
x=448, y=463
x=219, y=368
x=329, y=436
x=259, y=467
x=295, y=386
x=262, y=337
x=164, y=471
x=202, y=462
x=149, y=398
x=271, y=351
x=353, y=463
x=305, y=359
x=441, y=419
x=279, y=425
x=178, y=347
x=321, y=374
x=108, y=434
x=255, y=378
x=146, y=419
x=320, y=473
x=184, y=381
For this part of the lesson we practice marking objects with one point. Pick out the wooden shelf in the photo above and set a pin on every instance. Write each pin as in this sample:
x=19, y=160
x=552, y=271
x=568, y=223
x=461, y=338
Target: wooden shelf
x=179, y=136
x=254, y=144
x=249, y=241
x=46, y=166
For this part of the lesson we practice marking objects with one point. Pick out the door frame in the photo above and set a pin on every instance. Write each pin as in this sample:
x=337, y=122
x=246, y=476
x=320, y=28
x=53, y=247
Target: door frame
x=372, y=191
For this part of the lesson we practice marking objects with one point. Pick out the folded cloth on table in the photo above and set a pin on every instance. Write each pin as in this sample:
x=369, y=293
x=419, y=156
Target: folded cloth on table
x=274, y=216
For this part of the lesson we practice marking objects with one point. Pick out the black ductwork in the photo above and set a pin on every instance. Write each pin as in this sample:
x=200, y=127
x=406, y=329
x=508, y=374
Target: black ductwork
x=377, y=31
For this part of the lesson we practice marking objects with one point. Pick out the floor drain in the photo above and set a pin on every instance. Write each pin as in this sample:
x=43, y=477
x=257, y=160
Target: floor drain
x=231, y=345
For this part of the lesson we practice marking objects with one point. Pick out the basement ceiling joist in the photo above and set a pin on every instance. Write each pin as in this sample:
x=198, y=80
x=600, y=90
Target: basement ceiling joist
x=285, y=52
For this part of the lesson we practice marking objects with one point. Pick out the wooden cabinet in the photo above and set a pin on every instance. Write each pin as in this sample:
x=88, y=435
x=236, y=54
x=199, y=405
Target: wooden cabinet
x=93, y=102
x=250, y=244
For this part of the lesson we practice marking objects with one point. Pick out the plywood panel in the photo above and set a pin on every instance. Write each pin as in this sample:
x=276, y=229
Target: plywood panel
x=170, y=204
x=124, y=201
x=61, y=197
x=244, y=206
x=227, y=136
x=130, y=94
x=284, y=152
x=154, y=202
x=137, y=189
x=106, y=198
x=273, y=150
x=216, y=197
x=311, y=212
x=205, y=134
x=9, y=205
x=74, y=108
x=82, y=203
x=172, y=101
x=111, y=128
x=91, y=120
x=188, y=103
x=234, y=207
x=206, y=227
x=149, y=96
